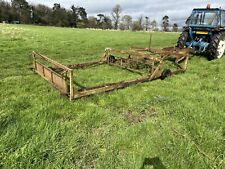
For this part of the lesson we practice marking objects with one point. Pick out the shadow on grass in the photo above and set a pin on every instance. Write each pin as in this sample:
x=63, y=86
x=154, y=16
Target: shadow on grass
x=79, y=85
x=7, y=120
x=204, y=55
x=155, y=162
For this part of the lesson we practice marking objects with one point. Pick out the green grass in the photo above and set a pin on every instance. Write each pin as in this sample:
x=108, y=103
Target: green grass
x=176, y=123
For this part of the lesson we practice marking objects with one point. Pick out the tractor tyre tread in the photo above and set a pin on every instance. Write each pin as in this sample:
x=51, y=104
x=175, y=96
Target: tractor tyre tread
x=213, y=46
x=182, y=40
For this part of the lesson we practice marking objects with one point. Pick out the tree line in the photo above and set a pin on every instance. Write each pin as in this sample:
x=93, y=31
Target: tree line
x=20, y=11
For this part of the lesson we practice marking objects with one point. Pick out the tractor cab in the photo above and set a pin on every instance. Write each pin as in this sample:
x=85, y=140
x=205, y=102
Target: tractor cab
x=209, y=18
x=205, y=32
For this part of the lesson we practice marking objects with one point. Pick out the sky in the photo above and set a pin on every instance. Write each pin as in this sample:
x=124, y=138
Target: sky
x=177, y=10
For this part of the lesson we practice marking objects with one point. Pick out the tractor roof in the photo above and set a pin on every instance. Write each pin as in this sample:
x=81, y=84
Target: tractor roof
x=208, y=9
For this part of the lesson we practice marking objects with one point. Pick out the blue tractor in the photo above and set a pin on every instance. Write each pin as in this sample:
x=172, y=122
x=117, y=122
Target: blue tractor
x=205, y=32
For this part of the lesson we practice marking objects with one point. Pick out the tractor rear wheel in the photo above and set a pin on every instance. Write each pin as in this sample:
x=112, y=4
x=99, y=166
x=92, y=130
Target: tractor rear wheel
x=216, y=47
x=182, y=40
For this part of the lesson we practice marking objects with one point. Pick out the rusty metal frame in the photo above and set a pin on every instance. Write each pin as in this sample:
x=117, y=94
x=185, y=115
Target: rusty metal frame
x=63, y=80
x=61, y=76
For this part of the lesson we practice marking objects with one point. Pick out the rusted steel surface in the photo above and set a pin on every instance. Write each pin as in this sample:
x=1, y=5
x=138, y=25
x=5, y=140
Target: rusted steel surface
x=55, y=79
x=85, y=65
x=59, y=79
x=109, y=87
x=37, y=55
x=149, y=63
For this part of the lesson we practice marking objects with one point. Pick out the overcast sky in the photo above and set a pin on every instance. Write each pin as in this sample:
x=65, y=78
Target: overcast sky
x=177, y=10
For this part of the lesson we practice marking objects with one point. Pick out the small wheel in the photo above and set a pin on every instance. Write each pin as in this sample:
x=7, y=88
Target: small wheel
x=182, y=40
x=111, y=59
x=166, y=73
x=216, y=47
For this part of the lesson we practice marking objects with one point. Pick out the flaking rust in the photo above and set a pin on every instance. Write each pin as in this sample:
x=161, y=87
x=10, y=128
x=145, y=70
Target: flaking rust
x=149, y=63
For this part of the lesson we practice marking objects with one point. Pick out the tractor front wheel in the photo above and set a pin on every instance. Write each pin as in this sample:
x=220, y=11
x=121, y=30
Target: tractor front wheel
x=216, y=47
x=182, y=40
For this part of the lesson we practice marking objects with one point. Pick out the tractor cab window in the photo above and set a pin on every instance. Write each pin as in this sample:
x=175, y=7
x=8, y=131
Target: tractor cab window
x=204, y=18
x=210, y=19
x=196, y=19
x=223, y=18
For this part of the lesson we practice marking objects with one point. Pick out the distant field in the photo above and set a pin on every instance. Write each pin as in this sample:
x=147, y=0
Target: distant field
x=178, y=123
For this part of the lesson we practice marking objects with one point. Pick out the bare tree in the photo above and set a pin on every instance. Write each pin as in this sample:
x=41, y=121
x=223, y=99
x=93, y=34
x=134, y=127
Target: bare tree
x=116, y=12
x=127, y=22
x=122, y=26
x=138, y=25
x=153, y=25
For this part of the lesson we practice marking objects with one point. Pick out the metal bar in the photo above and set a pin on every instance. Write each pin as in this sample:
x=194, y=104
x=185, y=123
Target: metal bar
x=126, y=68
x=38, y=55
x=85, y=65
x=110, y=87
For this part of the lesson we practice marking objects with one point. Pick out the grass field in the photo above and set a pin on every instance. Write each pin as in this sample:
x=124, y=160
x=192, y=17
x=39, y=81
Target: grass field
x=178, y=123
